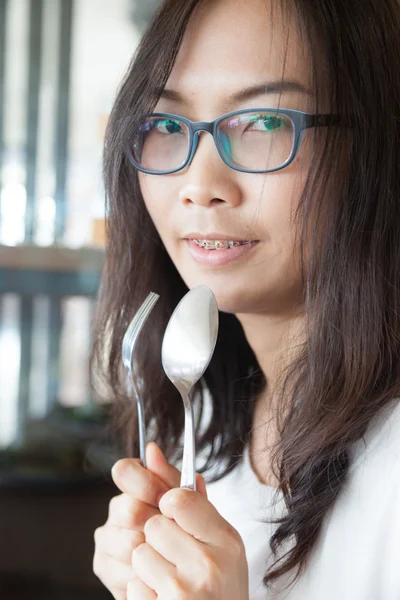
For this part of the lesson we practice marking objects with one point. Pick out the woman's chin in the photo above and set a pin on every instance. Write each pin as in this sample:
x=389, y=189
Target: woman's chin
x=244, y=296
x=230, y=298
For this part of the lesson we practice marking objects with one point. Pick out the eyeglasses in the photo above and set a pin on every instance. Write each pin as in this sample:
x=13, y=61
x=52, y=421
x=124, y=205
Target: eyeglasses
x=252, y=141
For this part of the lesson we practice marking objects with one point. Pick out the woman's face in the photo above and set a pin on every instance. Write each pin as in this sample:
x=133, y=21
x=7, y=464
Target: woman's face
x=230, y=47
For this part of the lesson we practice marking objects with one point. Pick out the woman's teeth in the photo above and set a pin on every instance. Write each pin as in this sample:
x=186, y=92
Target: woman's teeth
x=218, y=244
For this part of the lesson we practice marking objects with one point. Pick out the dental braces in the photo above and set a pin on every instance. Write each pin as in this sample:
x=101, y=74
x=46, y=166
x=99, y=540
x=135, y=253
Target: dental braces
x=218, y=244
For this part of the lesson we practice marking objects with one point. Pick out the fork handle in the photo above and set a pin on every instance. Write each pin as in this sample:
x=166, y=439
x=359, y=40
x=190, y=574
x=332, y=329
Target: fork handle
x=142, y=431
x=188, y=477
x=133, y=390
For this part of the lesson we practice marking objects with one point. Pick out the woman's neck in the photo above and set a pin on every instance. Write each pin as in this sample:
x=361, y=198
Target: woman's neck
x=274, y=340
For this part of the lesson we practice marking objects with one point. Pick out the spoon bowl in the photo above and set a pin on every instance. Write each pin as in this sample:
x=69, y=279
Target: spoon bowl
x=188, y=346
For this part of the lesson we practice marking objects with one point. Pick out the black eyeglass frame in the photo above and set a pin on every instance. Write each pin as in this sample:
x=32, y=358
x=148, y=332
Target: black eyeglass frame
x=301, y=121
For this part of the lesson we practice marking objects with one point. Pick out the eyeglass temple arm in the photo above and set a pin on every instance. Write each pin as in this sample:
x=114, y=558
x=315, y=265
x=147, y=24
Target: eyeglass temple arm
x=326, y=121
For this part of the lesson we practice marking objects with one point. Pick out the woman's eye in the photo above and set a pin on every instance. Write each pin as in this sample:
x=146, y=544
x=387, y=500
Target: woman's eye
x=167, y=126
x=266, y=123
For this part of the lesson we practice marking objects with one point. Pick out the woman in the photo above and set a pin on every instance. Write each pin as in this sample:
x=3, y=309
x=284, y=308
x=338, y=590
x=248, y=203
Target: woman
x=290, y=213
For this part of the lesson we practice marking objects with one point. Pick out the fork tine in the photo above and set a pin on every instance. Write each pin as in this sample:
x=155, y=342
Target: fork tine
x=138, y=321
x=140, y=316
x=128, y=346
x=147, y=308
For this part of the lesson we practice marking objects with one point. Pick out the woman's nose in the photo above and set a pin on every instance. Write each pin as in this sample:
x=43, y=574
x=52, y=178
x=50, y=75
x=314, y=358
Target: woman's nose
x=208, y=181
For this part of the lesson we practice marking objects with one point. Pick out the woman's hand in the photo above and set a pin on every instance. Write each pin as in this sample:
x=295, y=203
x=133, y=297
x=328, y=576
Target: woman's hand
x=128, y=513
x=190, y=553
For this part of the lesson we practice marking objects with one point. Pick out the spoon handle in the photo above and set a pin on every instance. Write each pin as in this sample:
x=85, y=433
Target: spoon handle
x=188, y=477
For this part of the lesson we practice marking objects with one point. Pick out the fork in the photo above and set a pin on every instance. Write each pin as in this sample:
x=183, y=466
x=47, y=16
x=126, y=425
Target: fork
x=128, y=347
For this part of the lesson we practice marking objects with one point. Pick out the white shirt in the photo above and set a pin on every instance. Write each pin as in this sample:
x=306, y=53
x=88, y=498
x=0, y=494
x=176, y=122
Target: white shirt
x=357, y=555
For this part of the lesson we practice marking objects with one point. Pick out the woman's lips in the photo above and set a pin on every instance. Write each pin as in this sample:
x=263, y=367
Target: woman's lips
x=218, y=258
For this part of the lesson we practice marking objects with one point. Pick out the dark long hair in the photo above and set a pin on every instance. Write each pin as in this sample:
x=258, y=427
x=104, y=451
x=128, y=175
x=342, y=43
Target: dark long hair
x=348, y=369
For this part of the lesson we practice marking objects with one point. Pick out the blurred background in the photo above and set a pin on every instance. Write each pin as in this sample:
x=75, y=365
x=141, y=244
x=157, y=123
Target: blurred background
x=60, y=65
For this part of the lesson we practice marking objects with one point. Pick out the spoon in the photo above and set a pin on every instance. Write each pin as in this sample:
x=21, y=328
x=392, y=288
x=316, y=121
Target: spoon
x=188, y=345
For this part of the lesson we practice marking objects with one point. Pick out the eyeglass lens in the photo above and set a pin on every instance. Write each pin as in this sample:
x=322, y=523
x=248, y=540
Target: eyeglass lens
x=259, y=141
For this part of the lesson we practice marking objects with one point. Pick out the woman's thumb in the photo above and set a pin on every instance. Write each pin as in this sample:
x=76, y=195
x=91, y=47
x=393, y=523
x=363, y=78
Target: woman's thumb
x=170, y=475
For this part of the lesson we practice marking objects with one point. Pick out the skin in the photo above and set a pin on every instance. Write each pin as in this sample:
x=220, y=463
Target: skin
x=179, y=546
x=263, y=290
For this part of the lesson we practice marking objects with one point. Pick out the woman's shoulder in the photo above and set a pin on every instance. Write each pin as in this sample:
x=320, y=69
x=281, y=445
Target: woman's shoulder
x=360, y=535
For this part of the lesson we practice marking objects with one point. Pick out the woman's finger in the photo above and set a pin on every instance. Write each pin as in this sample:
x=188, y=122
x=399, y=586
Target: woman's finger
x=137, y=590
x=112, y=573
x=198, y=517
x=129, y=513
x=132, y=478
x=158, y=464
x=173, y=543
x=154, y=571
x=170, y=475
x=117, y=542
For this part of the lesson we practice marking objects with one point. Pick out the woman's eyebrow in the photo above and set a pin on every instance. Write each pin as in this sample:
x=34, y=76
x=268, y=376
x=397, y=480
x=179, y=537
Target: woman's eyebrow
x=270, y=87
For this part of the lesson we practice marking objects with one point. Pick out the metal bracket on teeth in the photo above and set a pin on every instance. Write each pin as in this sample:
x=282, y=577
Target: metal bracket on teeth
x=216, y=244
